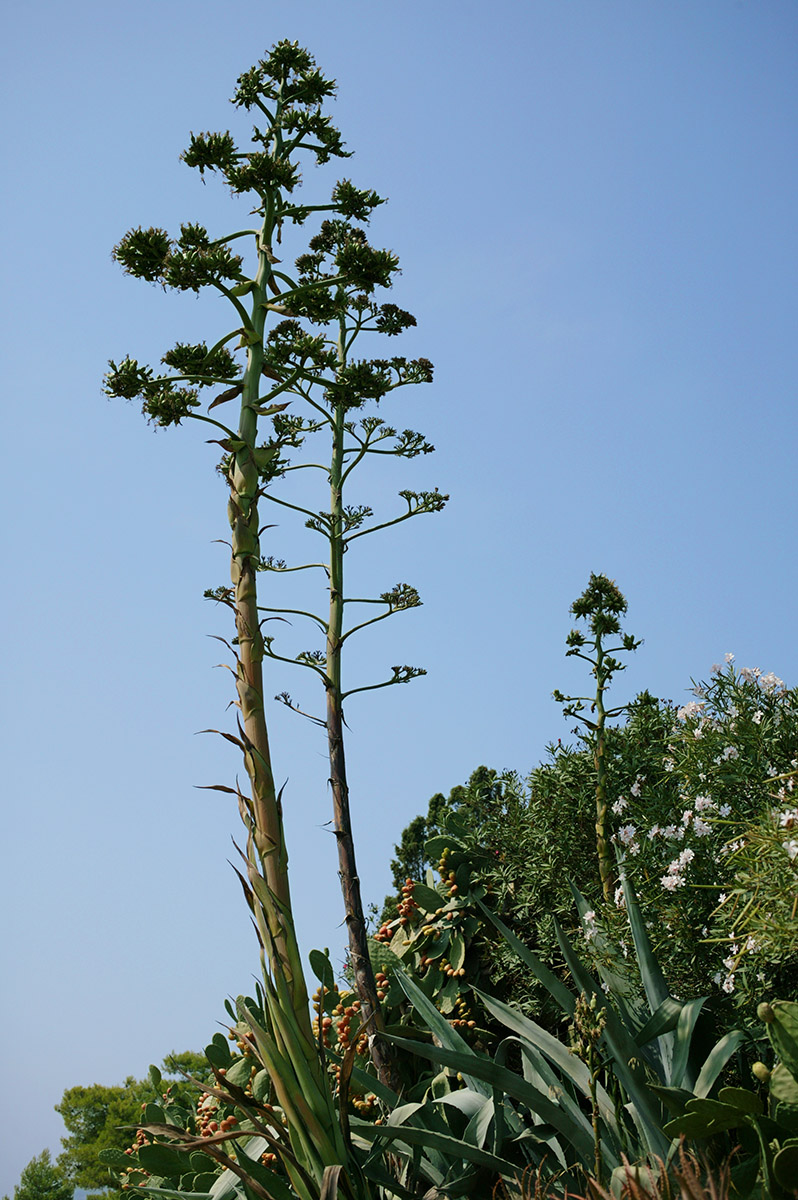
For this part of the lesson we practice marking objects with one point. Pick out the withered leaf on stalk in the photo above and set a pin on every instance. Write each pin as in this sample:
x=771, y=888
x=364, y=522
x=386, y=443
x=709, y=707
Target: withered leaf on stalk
x=230, y=394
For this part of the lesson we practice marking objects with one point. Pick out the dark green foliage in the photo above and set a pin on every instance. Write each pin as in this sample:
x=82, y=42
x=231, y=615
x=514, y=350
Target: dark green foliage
x=42, y=1180
x=412, y=859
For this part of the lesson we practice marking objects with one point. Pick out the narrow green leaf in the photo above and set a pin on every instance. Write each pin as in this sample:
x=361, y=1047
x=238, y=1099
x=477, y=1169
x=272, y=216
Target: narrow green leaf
x=452, y=1147
x=625, y=1053
x=485, y=1070
x=554, y=986
x=716, y=1060
x=439, y=1026
x=654, y=984
x=664, y=1020
x=683, y=1072
x=329, y=1183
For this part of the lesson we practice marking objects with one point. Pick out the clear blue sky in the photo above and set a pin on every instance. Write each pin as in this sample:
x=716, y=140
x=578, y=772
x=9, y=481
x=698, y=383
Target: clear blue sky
x=594, y=203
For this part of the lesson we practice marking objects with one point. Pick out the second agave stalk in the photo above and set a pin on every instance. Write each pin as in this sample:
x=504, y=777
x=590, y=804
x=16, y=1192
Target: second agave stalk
x=360, y=959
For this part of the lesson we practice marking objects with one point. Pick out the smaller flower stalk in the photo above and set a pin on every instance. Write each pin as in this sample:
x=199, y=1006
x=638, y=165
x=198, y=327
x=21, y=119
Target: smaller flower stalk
x=336, y=387
x=600, y=606
x=584, y=1035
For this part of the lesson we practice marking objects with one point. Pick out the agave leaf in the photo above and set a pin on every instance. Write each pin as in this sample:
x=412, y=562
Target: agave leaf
x=467, y=1102
x=613, y=971
x=664, y=1020
x=441, y=1028
x=329, y=1183
x=453, y=1148
x=716, y=1060
x=553, y=985
x=478, y=1128
x=683, y=1072
x=373, y=1169
x=654, y=984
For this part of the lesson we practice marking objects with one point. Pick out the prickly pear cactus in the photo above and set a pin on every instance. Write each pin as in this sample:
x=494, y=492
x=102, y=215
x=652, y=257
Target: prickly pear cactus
x=781, y=1023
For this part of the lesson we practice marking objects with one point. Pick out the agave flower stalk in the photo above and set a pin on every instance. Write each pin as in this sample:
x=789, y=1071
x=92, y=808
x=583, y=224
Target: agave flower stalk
x=288, y=90
x=340, y=536
x=337, y=386
x=600, y=605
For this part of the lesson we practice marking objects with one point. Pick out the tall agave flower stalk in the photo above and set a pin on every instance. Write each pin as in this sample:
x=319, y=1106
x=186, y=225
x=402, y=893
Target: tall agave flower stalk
x=286, y=93
x=337, y=386
x=600, y=605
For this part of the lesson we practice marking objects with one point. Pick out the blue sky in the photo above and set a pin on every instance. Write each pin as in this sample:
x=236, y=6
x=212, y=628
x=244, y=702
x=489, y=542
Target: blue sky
x=594, y=207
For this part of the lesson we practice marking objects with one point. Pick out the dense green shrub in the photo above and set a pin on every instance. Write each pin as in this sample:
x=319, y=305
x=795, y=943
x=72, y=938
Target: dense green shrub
x=703, y=823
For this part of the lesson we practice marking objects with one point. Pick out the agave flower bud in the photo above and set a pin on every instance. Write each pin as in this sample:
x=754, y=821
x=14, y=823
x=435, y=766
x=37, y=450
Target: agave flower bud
x=143, y=253
x=354, y=202
x=127, y=380
x=214, y=151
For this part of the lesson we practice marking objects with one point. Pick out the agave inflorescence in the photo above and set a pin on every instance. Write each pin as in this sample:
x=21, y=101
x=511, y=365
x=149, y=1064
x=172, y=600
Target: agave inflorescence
x=286, y=93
